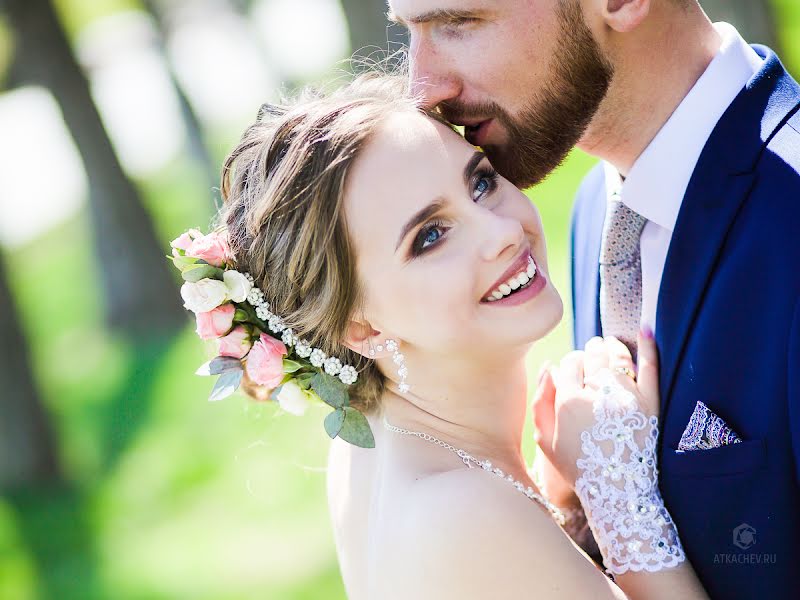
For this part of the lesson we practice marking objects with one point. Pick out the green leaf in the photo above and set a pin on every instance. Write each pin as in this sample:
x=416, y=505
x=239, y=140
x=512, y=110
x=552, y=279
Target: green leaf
x=184, y=262
x=196, y=272
x=330, y=389
x=240, y=316
x=334, y=422
x=304, y=380
x=226, y=385
x=219, y=365
x=356, y=429
x=290, y=366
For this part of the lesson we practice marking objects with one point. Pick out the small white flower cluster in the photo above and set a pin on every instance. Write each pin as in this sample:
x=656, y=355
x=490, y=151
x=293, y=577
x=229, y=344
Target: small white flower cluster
x=332, y=365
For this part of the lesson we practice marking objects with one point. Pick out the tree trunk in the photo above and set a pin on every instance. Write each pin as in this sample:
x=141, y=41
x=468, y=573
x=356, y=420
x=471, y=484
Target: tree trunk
x=191, y=122
x=753, y=18
x=27, y=448
x=139, y=290
x=370, y=30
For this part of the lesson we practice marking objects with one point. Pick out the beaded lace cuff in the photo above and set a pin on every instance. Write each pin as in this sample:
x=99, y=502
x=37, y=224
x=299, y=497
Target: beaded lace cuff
x=618, y=486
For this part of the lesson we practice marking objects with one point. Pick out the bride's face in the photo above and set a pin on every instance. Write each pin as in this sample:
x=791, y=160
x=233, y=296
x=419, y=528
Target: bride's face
x=436, y=231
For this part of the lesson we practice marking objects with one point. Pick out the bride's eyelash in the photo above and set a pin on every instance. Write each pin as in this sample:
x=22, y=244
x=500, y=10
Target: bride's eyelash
x=485, y=172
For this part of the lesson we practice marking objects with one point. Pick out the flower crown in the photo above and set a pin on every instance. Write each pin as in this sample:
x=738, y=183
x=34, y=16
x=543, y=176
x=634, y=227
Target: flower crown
x=230, y=308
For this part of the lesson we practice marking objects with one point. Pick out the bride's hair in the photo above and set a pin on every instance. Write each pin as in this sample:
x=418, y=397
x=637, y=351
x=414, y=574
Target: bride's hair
x=283, y=190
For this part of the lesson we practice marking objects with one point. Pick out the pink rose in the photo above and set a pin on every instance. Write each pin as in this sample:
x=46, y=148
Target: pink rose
x=215, y=323
x=212, y=248
x=236, y=344
x=265, y=361
x=183, y=242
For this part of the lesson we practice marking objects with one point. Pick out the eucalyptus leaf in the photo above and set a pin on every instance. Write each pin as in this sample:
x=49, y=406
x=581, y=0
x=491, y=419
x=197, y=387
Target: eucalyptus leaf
x=334, y=422
x=290, y=366
x=226, y=385
x=330, y=389
x=356, y=429
x=219, y=365
x=184, y=262
x=196, y=272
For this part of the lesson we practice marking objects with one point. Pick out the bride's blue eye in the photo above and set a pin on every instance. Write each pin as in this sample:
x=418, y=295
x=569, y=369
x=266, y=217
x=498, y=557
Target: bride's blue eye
x=425, y=238
x=485, y=182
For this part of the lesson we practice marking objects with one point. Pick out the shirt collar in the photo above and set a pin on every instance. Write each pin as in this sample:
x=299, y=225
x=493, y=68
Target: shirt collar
x=658, y=179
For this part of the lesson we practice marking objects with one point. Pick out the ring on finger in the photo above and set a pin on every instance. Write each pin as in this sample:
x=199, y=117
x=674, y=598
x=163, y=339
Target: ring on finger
x=626, y=371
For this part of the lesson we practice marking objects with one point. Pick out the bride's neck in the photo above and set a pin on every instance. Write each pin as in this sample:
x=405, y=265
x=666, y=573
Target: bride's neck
x=482, y=412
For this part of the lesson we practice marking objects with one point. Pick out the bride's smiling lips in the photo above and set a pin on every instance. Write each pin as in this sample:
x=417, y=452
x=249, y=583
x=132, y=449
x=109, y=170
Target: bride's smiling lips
x=526, y=278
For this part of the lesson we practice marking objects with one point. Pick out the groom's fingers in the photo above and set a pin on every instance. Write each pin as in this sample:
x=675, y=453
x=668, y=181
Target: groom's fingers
x=647, y=377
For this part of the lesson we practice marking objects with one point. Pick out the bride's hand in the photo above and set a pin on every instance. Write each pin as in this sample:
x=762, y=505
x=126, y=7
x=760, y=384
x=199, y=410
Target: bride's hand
x=564, y=413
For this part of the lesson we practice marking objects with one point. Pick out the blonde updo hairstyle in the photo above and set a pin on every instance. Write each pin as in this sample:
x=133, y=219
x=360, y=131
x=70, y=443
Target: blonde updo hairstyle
x=283, y=192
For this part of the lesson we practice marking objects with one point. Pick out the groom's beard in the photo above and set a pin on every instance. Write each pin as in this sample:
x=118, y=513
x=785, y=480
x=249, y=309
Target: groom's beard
x=554, y=120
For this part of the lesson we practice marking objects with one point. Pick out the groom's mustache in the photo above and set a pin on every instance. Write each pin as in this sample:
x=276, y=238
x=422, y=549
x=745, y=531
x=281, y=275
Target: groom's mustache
x=459, y=113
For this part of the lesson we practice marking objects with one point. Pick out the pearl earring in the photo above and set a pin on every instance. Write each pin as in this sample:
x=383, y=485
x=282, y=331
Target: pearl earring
x=399, y=360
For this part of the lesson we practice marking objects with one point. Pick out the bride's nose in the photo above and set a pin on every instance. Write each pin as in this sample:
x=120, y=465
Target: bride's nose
x=502, y=238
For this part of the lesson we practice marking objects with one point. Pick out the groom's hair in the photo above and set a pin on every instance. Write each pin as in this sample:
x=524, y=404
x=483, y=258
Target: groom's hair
x=283, y=190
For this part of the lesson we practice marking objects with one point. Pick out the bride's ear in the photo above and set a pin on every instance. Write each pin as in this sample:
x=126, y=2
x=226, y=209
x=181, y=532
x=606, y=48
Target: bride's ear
x=358, y=336
x=625, y=15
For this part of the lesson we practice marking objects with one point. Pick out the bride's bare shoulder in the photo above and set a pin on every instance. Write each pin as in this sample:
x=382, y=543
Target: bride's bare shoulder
x=471, y=534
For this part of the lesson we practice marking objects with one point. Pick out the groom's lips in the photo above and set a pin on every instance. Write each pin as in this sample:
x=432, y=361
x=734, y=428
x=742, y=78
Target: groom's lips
x=477, y=131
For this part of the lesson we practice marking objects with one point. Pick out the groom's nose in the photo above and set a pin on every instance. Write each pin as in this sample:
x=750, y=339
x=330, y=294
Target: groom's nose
x=432, y=78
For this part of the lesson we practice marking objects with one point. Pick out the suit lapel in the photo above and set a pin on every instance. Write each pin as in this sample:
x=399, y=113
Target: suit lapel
x=703, y=224
x=590, y=274
x=721, y=182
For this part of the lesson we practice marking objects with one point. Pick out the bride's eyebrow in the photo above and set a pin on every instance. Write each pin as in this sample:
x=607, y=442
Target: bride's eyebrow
x=436, y=205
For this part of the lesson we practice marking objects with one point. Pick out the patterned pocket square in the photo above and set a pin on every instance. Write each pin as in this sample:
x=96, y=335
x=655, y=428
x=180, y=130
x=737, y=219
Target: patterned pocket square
x=706, y=430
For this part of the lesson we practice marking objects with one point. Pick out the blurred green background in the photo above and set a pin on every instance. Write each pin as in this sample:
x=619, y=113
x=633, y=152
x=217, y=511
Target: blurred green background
x=117, y=479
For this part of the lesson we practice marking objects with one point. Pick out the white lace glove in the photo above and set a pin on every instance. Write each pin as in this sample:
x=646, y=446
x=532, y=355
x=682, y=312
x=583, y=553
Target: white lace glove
x=618, y=485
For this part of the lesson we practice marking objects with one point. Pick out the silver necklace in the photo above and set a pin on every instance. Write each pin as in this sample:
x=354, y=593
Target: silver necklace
x=486, y=465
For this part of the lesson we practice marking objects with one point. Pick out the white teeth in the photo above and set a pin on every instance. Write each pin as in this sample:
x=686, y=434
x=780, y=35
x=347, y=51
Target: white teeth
x=514, y=283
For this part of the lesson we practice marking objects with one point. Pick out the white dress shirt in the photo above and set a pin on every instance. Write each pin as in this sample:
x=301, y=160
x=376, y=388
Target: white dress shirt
x=657, y=181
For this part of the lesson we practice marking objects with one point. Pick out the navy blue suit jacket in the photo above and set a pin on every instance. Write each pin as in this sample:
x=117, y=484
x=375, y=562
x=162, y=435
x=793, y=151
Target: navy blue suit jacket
x=728, y=333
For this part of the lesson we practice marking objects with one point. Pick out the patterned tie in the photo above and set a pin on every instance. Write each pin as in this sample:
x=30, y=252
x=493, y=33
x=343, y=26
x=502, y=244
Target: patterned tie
x=621, y=273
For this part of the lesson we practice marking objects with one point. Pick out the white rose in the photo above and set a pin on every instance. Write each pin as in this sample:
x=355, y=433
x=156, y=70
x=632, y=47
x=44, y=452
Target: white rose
x=204, y=295
x=238, y=285
x=292, y=398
